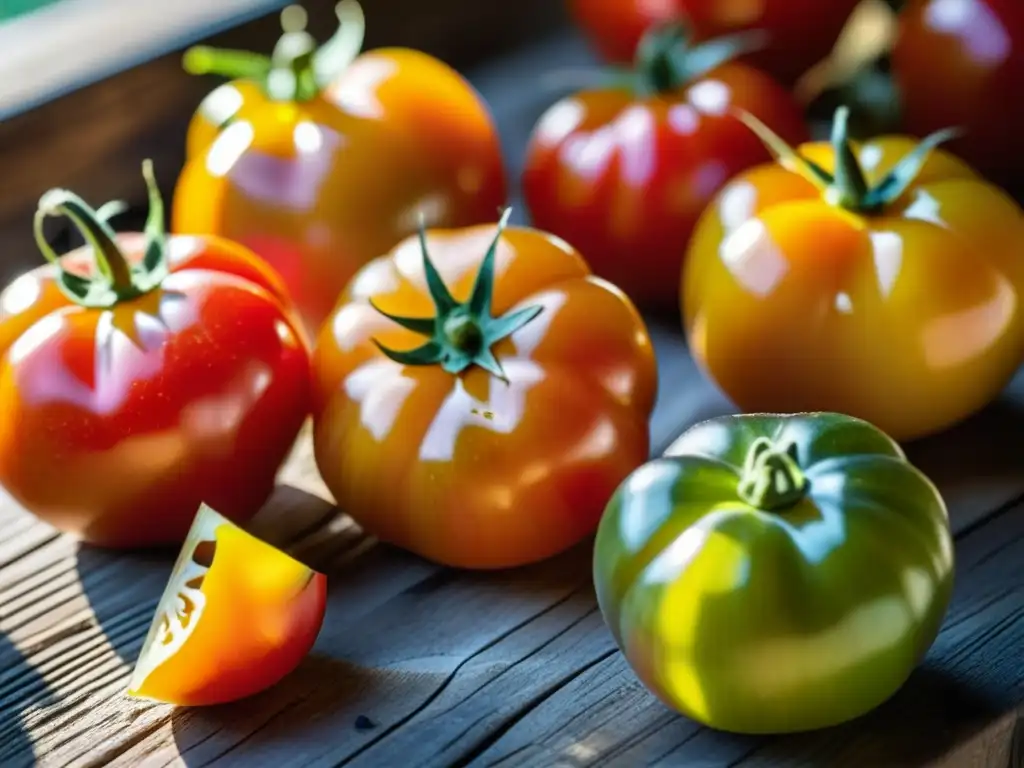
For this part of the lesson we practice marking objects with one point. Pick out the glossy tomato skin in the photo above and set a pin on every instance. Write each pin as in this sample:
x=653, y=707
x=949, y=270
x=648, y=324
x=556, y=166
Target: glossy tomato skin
x=468, y=470
x=120, y=422
x=320, y=187
x=237, y=616
x=960, y=63
x=624, y=178
x=910, y=318
x=758, y=621
x=220, y=107
x=801, y=32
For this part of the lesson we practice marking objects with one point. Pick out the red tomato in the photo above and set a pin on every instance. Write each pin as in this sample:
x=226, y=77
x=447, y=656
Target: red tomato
x=236, y=617
x=486, y=427
x=142, y=376
x=800, y=32
x=623, y=173
x=961, y=63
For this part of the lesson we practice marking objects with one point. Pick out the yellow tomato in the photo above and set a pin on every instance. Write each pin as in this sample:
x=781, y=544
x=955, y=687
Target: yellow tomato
x=886, y=285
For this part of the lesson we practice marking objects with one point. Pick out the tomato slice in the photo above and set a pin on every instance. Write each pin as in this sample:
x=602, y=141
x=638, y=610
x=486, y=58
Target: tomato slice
x=237, y=615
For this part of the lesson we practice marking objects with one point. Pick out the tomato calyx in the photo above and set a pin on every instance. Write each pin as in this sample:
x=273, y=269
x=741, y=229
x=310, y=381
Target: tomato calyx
x=297, y=69
x=848, y=187
x=772, y=479
x=461, y=333
x=116, y=279
x=667, y=58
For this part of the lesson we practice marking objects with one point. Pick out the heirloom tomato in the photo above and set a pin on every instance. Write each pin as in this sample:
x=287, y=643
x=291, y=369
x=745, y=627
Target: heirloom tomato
x=319, y=160
x=623, y=172
x=886, y=284
x=961, y=63
x=775, y=573
x=481, y=417
x=237, y=616
x=798, y=33
x=141, y=375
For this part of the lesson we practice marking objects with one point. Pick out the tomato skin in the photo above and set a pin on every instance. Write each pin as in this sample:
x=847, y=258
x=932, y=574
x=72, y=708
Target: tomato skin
x=801, y=32
x=909, y=318
x=120, y=422
x=798, y=618
x=250, y=617
x=318, y=188
x=961, y=63
x=624, y=178
x=465, y=469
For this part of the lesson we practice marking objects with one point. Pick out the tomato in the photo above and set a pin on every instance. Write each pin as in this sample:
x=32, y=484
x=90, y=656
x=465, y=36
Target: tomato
x=236, y=617
x=961, y=63
x=320, y=171
x=798, y=33
x=143, y=374
x=481, y=417
x=888, y=288
x=623, y=172
x=775, y=573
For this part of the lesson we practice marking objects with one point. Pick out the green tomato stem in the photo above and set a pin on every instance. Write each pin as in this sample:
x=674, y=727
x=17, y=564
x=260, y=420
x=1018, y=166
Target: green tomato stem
x=297, y=70
x=772, y=479
x=667, y=60
x=116, y=279
x=848, y=187
x=461, y=334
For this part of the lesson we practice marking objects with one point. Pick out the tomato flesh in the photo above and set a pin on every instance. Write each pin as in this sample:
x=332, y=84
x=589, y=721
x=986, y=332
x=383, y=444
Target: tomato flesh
x=236, y=617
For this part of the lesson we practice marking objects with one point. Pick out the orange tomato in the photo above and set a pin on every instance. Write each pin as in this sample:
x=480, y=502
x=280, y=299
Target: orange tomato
x=624, y=171
x=236, y=617
x=498, y=439
x=886, y=285
x=142, y=375
x=319, y=160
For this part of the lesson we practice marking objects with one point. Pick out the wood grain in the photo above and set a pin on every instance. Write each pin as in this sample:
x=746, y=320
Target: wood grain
x=419, y=665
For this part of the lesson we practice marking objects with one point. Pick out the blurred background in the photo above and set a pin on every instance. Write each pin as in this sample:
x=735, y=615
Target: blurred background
x=89, y=87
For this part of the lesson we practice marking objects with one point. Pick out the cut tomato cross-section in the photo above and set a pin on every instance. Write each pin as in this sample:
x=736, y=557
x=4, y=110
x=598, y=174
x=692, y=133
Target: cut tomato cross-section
x=237, y=616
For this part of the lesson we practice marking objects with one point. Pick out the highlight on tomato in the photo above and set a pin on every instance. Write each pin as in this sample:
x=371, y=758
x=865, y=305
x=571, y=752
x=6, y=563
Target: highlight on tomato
x=317, y=158
x=961, y=63
x=479, y=395
x=623, y=170
x=775, y=573
x=236, y=617
x=799, y=33
x=880, y=279
x=143, y=374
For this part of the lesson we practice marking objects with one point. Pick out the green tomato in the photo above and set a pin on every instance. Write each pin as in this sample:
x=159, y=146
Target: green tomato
x=775, y=573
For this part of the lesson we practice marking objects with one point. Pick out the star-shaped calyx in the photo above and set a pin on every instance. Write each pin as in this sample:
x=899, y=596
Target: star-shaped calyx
x=848, y=187
x=461, y=333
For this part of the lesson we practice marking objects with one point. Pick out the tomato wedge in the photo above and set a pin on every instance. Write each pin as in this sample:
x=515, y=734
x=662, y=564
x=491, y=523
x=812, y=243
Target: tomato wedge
x=236, y=617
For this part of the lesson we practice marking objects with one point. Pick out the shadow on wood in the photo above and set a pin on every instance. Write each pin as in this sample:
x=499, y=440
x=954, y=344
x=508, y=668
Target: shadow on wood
x=317, y=703
x=21, y=688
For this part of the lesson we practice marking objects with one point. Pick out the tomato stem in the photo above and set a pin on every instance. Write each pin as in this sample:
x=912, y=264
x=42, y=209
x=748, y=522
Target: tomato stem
x=461, y=333
x=116, y=279
x=666, y=58
x=848, y=187
x=772, y=479
x=298, y=69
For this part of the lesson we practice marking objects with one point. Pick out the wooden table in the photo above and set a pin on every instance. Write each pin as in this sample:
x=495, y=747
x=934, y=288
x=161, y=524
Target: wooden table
x=422, y=665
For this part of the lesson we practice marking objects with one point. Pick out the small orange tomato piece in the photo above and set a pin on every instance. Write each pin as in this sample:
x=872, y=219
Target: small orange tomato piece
x=469, y=468
x=236, y=617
